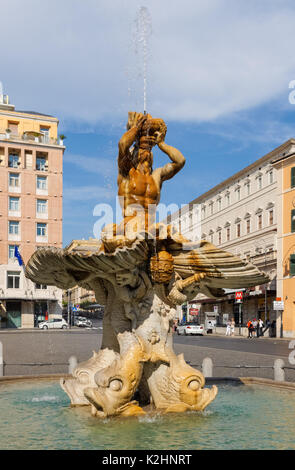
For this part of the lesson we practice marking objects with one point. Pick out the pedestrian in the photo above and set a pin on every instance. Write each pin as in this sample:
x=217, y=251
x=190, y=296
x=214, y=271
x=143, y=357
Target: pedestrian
x=254, y=323
x=227, y=333
x=232, y=327
x=250, y=329
x=260, y=327
x=267, y=326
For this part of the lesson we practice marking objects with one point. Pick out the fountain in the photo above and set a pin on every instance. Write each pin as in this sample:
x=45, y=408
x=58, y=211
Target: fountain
x=140, y=271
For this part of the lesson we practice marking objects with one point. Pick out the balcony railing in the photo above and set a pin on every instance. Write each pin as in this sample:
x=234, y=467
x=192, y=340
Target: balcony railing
x=30, y=137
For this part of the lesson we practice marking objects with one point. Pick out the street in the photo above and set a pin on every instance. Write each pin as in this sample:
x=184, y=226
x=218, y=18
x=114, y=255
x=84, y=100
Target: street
x=47, y=352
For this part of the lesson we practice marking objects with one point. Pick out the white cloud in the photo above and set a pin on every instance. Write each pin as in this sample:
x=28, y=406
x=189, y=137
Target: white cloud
x=207, y=59
x=96, y=194
x=95, y=165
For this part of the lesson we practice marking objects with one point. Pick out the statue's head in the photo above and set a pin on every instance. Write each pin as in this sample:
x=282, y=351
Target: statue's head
x=145, y=158
x=127, y=278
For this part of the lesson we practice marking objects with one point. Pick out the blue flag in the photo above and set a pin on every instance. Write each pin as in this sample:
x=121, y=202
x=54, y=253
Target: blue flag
x=18, y=256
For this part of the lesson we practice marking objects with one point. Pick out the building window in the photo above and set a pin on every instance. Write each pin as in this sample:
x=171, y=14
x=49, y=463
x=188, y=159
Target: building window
x=42, y=182
x=293, y=177
x=13, y=279
x=203, y=212
x=238, y=230
x=45, y=131
x=13, y=160
x=11, y=249
x=227, y=197
x=228, y=234
x=41, y=230
x=259, y=221
x=271, y=179
x=14, y=204
x=248, y=189
x=41, y=206
x=13, y=227
x=259, y=182
x=14, y=180
x=238, y=194
x=219, y=204
x=293, y=220
x=211, y=208
x=271, y=217
x=13, y=126
x=41, y=286
x=248, y=223
x=41, y=164
x=292, y=265
x=219, y=237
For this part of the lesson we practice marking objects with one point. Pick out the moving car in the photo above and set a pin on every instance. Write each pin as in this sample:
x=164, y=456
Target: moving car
x=190, y=329
x=56, y=323
x=82, y=321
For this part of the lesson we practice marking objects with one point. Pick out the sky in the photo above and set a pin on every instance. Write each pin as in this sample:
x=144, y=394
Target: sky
x=218, y=72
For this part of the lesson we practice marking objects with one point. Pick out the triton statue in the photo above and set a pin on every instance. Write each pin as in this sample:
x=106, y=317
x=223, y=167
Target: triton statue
x=140, y=271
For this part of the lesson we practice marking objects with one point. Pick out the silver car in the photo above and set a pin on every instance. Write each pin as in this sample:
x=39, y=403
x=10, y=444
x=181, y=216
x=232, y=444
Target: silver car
x=190, y=329
x=56, y=323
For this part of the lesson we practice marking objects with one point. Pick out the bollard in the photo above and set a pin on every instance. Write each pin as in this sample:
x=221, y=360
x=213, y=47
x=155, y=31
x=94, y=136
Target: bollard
x=279, y=373
x=72, y=364
x=1, y=360
x=207, y=367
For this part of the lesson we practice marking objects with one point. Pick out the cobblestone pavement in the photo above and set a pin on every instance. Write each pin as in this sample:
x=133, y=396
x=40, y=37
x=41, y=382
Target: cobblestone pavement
x=26, y=351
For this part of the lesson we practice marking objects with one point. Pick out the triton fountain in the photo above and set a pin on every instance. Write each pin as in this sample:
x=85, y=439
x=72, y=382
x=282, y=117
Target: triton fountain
x=140, y=271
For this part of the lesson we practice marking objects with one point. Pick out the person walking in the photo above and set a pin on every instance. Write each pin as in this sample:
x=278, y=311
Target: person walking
x=250, y=329
x=232, y=327
x=267, y=326
x=227, y=333
x=254, y=323
x=260, y=327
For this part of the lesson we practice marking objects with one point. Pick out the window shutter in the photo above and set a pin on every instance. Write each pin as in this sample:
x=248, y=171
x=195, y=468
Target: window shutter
x=293, y=220
x=292, y=265
x=293, y=177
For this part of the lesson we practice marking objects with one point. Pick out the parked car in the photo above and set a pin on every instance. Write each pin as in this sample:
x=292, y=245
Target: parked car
x=84, y=322
x=190, y=329
x=56, y=323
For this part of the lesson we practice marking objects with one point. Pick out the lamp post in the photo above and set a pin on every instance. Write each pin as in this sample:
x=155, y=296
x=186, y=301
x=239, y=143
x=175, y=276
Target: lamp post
x=69, y=298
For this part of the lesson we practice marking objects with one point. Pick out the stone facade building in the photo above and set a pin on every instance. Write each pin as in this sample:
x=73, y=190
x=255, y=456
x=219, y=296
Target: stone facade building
x=242, y=215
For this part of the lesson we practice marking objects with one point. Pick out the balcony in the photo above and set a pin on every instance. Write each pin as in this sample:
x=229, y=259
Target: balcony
x=30, y=137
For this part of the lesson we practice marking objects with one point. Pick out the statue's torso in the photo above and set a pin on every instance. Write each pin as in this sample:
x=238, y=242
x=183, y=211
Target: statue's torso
x=139, y=188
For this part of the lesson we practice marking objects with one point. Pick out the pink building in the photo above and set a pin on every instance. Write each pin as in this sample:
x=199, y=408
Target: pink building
x=31, y=158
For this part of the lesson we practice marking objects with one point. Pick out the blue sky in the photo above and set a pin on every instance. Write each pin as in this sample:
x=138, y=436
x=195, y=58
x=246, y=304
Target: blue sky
x=218, y=73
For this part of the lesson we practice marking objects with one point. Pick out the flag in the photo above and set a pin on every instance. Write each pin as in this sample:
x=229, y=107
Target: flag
x=18, y=256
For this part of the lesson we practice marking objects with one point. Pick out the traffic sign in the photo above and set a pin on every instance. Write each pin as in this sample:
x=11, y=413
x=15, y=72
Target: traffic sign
x=239, y=296
x=194, y=311
x=278, y=305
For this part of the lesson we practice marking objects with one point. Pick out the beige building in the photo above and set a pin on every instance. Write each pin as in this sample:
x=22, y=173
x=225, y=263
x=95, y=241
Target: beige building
x=78, y=296
x=242, y=215
x=31, y=156
x=285, y=168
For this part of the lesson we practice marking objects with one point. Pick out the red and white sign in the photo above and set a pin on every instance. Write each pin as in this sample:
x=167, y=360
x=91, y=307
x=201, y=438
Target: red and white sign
x=239, y=296
x=194, y=311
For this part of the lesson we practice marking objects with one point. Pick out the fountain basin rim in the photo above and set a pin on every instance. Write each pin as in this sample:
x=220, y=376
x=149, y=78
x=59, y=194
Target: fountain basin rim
x=209, y=380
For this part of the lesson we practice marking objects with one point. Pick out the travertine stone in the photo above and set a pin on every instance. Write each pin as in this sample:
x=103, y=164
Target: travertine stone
x=140, y=272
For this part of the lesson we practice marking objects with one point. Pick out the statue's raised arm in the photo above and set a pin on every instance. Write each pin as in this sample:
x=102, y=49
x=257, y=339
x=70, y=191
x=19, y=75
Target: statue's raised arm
x=131, y=136
x=177, y=161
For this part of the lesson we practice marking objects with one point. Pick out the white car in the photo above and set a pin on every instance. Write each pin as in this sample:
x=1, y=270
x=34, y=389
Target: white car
x=54, y=323
x=82, y=321
x=190, y=329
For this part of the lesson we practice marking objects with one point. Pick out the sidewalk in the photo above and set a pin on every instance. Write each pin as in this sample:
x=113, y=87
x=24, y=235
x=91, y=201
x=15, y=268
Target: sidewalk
x=237, y=336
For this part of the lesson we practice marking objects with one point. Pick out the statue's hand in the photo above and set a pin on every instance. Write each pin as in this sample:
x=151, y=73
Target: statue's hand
x=140, y=122
x=160, y=136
